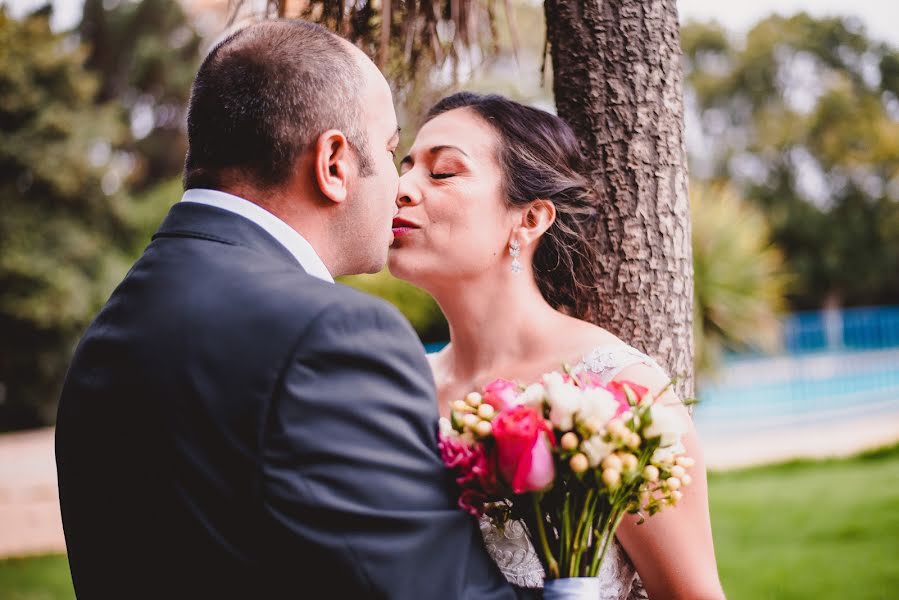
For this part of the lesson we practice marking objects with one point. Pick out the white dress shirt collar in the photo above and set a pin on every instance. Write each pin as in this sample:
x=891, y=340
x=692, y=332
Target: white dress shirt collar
x=288, y=237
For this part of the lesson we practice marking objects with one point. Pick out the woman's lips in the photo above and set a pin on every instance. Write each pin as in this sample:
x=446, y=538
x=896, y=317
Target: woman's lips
x=401, y=231
x=403, y=227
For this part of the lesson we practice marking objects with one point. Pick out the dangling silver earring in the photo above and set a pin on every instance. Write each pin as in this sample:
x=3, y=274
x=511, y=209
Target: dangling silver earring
x=515, y=252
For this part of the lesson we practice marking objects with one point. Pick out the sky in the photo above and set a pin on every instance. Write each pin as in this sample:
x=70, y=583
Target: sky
x=880, y=17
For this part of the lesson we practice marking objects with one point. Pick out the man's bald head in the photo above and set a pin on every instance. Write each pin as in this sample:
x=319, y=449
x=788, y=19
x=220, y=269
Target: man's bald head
x=263, y=96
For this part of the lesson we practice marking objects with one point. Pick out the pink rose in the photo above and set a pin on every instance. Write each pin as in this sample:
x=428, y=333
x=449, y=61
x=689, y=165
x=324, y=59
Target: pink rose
x=501, y=394
x=617, y=389
x=524, y=449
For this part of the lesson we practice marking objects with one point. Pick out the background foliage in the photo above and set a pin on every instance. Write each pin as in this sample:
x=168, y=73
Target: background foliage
x=793, y=136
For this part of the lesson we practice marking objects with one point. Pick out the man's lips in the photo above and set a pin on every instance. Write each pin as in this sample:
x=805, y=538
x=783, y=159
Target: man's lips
x=402, y=227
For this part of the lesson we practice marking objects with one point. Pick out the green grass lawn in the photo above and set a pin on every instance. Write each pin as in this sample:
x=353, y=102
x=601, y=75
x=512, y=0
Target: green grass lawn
x=810, y=529
x=803, y=530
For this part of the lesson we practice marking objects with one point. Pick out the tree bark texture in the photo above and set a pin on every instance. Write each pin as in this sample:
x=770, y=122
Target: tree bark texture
x=617, y=82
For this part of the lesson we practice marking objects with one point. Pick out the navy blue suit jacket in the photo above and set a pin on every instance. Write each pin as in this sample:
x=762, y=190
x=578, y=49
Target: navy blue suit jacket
x=232, y=427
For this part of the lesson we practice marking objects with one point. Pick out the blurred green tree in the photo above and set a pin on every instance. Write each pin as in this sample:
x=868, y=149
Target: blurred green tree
x=804, y=118
x=145, y=55
x=64, y=242
x=739, y=275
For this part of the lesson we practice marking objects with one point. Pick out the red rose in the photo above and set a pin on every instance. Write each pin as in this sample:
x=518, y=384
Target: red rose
x=524, y=449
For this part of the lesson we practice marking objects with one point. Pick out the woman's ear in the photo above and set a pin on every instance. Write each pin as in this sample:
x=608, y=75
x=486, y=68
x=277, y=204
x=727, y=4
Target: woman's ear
x=332, y=163
x=535, y=220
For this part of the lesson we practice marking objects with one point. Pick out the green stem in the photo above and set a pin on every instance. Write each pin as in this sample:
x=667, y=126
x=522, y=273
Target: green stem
x=565, y=549
x=552, y=567
x=609, y=535
x=582, y=533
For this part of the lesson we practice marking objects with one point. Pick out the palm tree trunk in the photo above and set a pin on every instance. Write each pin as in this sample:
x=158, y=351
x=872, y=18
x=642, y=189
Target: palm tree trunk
x=617, y=81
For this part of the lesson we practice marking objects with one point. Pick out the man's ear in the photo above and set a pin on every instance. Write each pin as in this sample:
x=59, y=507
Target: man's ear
x=333, y=165
x=535, y=220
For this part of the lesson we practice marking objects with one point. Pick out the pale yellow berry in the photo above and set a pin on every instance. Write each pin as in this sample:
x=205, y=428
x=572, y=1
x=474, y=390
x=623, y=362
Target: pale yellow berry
x=686, y=479
x=460, y=406
x=673, y=483
x=483, y=429
x=618, y=429
x=685, y=461
x=593, y=425
x=569, y=441
x=485, y=411
x=579, y=463
x=470, y=420
x=611, y=477
x=474, y=399
x=676, y=497
x=612, y=462
x=633, y=440
x=677, y=471
x=651, y=473
x=629, y=462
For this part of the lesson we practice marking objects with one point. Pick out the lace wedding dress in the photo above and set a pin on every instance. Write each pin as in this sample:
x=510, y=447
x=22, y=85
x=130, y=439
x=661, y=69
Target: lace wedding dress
x=512, y=549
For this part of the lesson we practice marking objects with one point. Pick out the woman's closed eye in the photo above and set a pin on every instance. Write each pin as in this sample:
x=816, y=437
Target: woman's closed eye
x=441, y=175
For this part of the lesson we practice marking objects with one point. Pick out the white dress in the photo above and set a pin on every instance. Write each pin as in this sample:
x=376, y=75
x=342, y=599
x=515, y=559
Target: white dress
x=512, y=549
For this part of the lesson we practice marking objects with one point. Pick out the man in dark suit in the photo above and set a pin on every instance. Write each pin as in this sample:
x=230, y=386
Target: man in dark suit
x=234, y=424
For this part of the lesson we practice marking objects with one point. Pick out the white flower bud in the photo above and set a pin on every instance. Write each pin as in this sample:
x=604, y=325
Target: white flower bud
x=446, y=428
x=612, y=462
x=593, y=425
x=677, y=471
x=629, y=462
x=569, y=441
x=673, y=483
x=579, y=463
x=483, y=428
x=676, y=497
x=461, y=406
x=470, y=420
x=651, y=473
x=633, y=440
x=686, y=479
x=485, y=411
x=617, y=429
x=685, y=461
x=474, y=399
x=611, y=478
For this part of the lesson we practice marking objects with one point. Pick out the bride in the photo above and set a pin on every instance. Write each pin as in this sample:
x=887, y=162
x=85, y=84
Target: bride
x=493, y=222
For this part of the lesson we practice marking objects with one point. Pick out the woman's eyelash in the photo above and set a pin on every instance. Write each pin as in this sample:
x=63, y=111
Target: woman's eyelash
x=441, y=175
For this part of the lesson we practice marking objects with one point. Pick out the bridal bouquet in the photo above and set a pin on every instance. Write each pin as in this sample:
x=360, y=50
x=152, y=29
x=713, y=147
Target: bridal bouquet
x=569, y=456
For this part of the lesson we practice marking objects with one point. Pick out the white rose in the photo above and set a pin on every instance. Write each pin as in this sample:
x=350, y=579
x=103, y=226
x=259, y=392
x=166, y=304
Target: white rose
x=596, y=450
x=532, y=396
x=599, y=404
x=666, y=424
x=564, y=401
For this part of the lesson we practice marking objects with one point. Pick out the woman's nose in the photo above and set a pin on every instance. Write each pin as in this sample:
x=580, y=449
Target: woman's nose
x=408, y=193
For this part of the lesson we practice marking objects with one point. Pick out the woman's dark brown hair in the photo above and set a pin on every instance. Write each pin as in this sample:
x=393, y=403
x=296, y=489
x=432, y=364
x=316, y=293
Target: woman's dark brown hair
x=541, y=160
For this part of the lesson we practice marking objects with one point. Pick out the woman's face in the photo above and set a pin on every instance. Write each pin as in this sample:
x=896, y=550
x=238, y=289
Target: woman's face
x=453, y=222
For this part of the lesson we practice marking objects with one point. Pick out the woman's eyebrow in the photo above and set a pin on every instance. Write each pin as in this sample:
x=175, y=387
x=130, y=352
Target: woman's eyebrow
x=407, y=160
